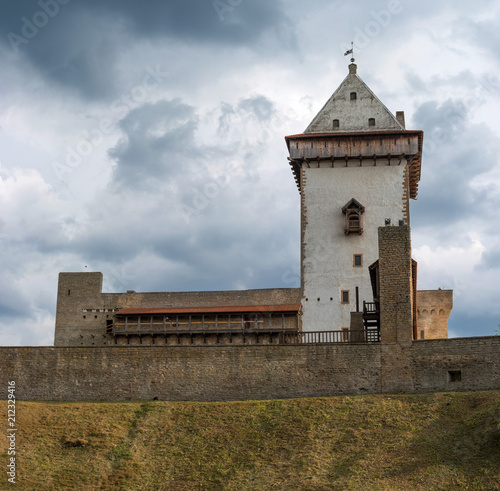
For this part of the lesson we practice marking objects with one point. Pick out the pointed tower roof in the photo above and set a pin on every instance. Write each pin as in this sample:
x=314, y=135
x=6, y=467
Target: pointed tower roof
x=353, y=107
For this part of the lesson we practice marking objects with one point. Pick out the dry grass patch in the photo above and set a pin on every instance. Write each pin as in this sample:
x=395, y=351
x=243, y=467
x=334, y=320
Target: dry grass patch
x=430, y=441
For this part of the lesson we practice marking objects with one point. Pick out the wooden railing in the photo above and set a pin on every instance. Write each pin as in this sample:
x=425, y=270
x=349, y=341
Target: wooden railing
x=316, y=337
x=370, y=307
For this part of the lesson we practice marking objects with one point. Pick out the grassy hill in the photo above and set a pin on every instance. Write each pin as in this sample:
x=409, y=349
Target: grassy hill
x=400, y=442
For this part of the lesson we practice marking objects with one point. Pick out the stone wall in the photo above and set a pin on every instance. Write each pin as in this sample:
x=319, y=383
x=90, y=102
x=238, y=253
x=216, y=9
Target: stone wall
x=327, y=265
x=206, y=373
x=396, y=318
x=82, y=308
x=433, y=311
x=456, y=364
x=201, y=373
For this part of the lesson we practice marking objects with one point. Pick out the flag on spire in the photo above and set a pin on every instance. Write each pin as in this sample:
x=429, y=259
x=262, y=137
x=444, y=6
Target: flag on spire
x=348, y=52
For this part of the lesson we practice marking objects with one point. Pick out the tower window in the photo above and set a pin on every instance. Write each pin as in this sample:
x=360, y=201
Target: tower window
x=371, y=122
x=353, y=212
x=357, y=260
x=344, y=296
x=353, y=96
x=336, y=123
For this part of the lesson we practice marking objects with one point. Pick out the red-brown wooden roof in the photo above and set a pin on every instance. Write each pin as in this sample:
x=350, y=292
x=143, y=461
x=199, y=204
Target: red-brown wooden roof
x=208, y=310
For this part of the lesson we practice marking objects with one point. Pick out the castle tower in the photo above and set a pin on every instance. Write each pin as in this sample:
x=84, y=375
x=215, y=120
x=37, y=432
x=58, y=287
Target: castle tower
x=356, y=167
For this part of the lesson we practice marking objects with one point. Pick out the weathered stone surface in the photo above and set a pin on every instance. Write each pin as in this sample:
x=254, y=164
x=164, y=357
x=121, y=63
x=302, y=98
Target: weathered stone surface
x=433, y=310
x=241, y=372
x=202, y=373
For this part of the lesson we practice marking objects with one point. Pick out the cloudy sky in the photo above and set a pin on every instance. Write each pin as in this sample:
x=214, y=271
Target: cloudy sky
x=145, y=140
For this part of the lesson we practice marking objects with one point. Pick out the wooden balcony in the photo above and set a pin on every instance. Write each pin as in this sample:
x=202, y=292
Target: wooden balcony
x=205, y=323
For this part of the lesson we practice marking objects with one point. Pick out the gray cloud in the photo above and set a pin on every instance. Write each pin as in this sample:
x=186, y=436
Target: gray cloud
x=200, y=195
x=450, y=163
x=158, y=143
x=78, y=44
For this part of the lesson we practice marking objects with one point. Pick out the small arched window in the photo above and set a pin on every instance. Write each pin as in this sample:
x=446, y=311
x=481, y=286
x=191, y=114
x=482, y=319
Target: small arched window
x=336, y=123
x=371, y=122
x=354, y=96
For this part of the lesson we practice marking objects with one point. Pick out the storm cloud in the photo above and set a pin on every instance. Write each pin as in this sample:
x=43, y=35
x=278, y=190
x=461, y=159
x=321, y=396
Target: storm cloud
x=145, y=140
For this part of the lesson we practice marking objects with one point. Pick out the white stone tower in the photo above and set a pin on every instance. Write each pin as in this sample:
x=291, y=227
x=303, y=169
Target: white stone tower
x=356, y=167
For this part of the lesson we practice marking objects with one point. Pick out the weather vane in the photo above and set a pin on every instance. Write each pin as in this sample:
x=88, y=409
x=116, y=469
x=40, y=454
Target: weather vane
x=350, y=52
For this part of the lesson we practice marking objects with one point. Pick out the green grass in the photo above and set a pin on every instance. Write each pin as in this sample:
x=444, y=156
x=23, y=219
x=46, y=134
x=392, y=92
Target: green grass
x=387, y=442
